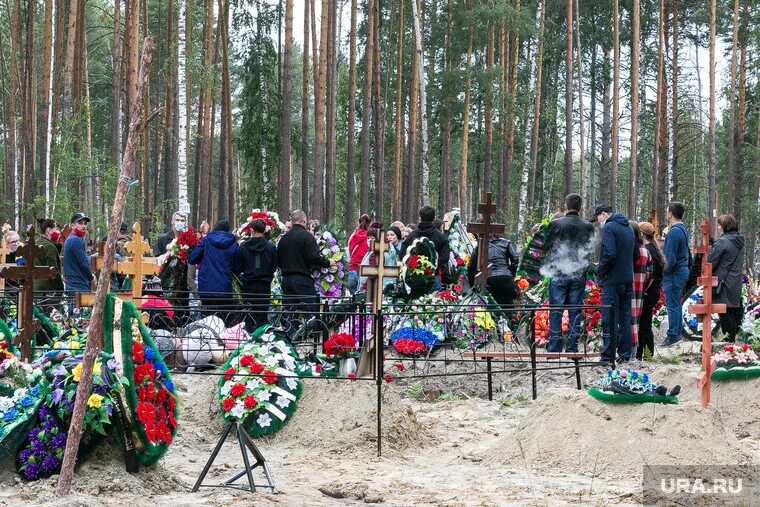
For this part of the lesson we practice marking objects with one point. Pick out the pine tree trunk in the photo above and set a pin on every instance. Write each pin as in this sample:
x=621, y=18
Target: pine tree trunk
x=674, y=147
x=366, y=116
x=732, y=203
x=305, y=113
x=615, y=100
x=465, y=131
x=71, y=39
x=398, y=209
x=591, y=196
x=351, y=134
x=605, y=185
x=378, y=117
x=514, y=47
x=29, y=115
x=422, y=82
x=528, y=168
x=488, y=113
x=283, y=183
x=741, y=127
x=568, y=166
x=330, y=113
x=581, y=111
x=226, y=197
x=632, y=187
x=43, y=127
x=711, y=160
x=13, y=92
x=57, y=93
x=319, y=117
x=170, y=145
x=116, y=51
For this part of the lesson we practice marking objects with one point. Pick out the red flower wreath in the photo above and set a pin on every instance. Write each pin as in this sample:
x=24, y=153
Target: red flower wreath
x=256, y=369
x=269, y=377
x=413, y=261
x=249, y=402
x=246, y=360
x=237, y=390
x=227, y=404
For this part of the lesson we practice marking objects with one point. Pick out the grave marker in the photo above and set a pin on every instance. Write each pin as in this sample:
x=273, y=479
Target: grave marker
x=484, y=230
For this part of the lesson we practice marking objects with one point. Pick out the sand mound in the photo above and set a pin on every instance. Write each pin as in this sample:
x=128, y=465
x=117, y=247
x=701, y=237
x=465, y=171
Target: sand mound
x=569, y=430
x=340, y=415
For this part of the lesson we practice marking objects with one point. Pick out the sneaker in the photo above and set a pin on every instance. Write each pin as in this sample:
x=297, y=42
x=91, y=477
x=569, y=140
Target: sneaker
x=670, y=341
x=674, y=392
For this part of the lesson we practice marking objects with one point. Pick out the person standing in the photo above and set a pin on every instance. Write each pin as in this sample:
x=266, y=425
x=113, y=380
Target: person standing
x=50, y=258
x=297, y=257
x=503, y=261
x=676, y=273
x=255, y=264
x=78, y=276
x=727, y=259
x=652, y=291
x=390, y=258
x=615, y=273
x=215, y=257
x=427, y=228
x=357, y=249
x=642, y=276
x=179, y=225
x=567, y=255
x=393, y=237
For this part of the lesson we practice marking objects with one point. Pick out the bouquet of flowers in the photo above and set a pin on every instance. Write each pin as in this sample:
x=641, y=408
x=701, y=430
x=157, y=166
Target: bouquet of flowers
x=421, y=321
x=260, y=386
x=541, y=325
x=43, y=454
x=631, y=386
x=533, y=254
x=418, y=269
x=340, y=345
x=274, y=227
x=329, y=281
x=592, y=318
x=173, y=273
x=473, y=323
x=735, y=356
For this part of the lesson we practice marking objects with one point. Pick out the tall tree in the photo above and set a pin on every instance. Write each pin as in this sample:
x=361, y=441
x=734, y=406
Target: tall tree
x=568, y=97
x=320, y=86
x=615, y=99
x=283, y=183
x=351, y=128
x=674, y=144
x=581, y=111
x=711, y=204
x=635, y=55
x=465, y=129
x=422, y=81
x=366, y=115
x=330, y=109
x=411, y=175
x=43, y=127
x=737, y=191
x=731, y=150
x=116, y=53
x=397, y=208
x=29, y=114
x=488, y=146
x=184, y=91
x=511, y=99
x=305, y=112
x=378, y=116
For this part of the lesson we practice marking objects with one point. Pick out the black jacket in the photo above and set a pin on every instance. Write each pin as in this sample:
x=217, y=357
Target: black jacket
x=256, y=260
x=658, y=266
x=162, y=242
x=298, y=253
x=618, y=252
x=501, y=256
x=428, y=230
x=727, y=259
x=568, y=247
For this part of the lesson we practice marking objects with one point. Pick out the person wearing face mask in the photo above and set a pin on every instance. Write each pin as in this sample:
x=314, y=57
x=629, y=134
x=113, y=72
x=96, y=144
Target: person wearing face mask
x=179, y=224
x=78, y=276
x=50, y=258
x=615, y=275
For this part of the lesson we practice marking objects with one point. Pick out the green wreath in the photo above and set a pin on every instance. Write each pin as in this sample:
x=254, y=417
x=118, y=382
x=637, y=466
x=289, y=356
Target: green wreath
x=737, y=373
x=622, y=399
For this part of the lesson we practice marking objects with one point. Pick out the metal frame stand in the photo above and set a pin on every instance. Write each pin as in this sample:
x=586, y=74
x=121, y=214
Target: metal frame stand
x=246, y=444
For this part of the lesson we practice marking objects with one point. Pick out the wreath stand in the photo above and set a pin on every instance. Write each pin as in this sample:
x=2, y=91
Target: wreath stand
x=246, y=444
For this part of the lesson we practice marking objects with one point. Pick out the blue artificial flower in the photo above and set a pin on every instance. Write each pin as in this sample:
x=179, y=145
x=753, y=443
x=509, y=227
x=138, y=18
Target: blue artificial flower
x=693, y=323
x=635, y=374
x=169, y=385
x=38, y=446
x=34, y=391
x=149, y=355
x=57, y=396
x=11, y=414
x=50, y=464
x=44, y=412
x=24, y=456
x=645, y=378
x=32, y=471
x=27, y=401
x=113, y=364
x=59, y=441
x=33, y=433
x=694, y=297
x=60, y=371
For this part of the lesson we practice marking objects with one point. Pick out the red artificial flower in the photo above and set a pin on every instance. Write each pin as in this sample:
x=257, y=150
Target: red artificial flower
x=146, y=413
x=317, y=369
x=269, y=377
x=227, y=404
x=172, y=420
x=413, y=261
x=144, y=372
x=249, y=402
x=339, y=344
x=351, y=375
x=246, y=360
x=188, y=238
x=400, y=366
x=729, y=348
x=171, y=403
x=409, y=347
x=229, y=372
x=745, y=347
x=263, y=216
x=457, y=287
x=151, y=432
x=237, y=390
x=257, y=368
x=460, y=262
x=388, y=378
x=138, y=353
x=428, y=271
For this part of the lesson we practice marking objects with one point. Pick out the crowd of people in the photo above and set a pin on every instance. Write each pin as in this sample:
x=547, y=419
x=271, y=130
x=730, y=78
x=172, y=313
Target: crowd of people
x=635, y=262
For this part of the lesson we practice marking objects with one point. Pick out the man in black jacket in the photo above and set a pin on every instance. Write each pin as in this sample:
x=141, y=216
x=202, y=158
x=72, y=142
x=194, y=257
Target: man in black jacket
x=255, y=264
x=503, y=261
x=567, y=252
x=179, y=224
x=297, y=257
x=427, y=229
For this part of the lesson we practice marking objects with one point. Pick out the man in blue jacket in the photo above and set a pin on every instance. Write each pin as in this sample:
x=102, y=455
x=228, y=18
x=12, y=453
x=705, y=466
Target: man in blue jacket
x=676, y=273
x=615, y=275
x=76, y=264
x=215, y=255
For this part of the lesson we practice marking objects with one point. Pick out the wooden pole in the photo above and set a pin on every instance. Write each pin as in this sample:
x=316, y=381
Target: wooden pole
x=95, y=330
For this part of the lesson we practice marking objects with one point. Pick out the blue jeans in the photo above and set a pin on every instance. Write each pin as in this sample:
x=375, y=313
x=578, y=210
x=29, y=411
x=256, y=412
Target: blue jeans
x=565, y=291
x=620, y=296
x=673, y=285
x=352, y=281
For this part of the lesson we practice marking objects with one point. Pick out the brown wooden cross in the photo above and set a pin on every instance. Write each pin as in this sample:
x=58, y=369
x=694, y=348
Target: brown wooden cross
x=375, y=275
x=484, y=230
x=28, y=273
x=134, y=266
x=706, y=308
x=3, y=252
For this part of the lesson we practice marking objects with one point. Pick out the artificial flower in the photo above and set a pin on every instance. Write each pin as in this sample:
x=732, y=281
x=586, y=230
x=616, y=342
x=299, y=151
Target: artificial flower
x=95, y=401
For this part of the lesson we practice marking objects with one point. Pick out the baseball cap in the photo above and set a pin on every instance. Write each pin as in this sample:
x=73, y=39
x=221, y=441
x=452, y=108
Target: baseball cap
x=600, y=208
x=79, y=216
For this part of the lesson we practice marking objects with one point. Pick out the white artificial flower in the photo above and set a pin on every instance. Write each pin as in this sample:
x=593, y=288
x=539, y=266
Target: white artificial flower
x=238, y=410
x=226, y=387
x=292, y=384
x=263, y=396
x=253, y=384
x=282, y=402
x=264, y=420
x=271, y=361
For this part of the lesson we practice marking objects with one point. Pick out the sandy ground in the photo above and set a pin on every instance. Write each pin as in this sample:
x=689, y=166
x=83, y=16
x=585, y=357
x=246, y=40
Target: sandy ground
x=563, y=448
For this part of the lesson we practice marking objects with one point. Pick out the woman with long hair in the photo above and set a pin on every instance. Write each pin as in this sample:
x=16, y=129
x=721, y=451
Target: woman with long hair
x=652, y=292
x=357, y=249
x=727, y=259
x=642, y=273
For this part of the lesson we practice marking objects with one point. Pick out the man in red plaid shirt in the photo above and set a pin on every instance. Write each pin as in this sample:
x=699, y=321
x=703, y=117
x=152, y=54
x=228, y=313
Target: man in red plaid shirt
x=642, y=277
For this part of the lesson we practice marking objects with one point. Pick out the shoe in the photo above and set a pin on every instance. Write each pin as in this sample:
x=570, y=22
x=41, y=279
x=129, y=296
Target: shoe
x=674, y=392
x=604, y=359
x=662, y=390
x=669, y=341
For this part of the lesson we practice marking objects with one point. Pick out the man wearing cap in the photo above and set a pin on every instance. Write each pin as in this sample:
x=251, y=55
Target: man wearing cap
x=76, y=265
x=615, y=275
x=179, y=224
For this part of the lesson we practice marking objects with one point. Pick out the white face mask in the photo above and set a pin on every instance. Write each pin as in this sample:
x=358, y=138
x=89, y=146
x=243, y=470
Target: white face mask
x=179, y=226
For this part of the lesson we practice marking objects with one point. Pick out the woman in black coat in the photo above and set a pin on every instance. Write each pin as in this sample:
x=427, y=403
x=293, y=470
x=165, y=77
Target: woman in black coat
x=727, y=259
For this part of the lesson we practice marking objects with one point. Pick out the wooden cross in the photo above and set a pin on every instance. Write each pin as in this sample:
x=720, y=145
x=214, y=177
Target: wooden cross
x=134, y=266
x=484, y=230
x=375, y=275
x=706, y=308
x=3, y=252
x=28, y=273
